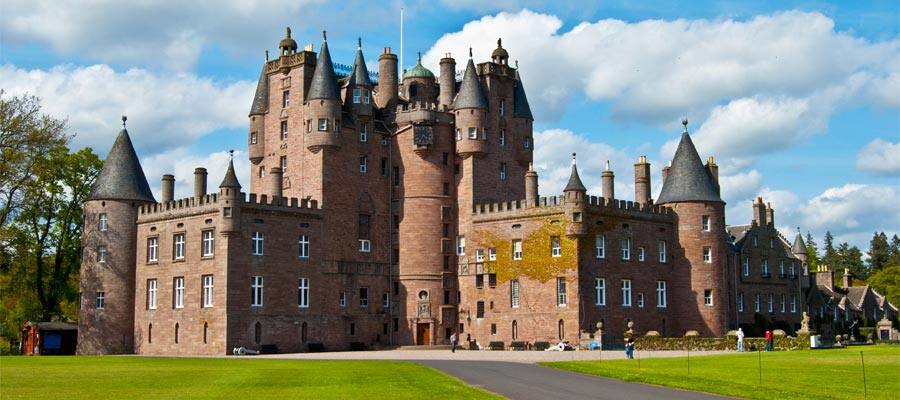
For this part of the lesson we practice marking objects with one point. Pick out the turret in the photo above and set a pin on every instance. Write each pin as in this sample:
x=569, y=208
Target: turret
x=799, y=250
x=642, y=181
x=500, y=55
x=323, y=105
x=288, y=46
x=275, y=182
x=447, y=80
x=199, y=183
x=523, y=117
x=167, y=188
x=608, y=179
x=229, y=200
x=531, y=187
x=106, y=317
x=256, y=142
x=360, y=86
x=470, y=107
x=387, y=79
x=575, y=194
x=419, y=83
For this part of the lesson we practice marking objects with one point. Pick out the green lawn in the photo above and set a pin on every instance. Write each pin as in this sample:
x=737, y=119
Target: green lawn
x=814, y=374
x=63, y=378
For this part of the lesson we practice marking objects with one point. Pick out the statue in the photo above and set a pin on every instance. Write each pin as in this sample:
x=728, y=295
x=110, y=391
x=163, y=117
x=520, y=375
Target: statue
x=804, y=324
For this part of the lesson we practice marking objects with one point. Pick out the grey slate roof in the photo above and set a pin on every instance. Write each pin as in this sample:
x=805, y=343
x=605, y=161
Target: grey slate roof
x=122, y=177
x=521, y=109
x=324, y=84
x=799, y=247
x=688, y=179
x=470, y=94
x=261, y=98
x=230, y=180
x=575, y=181
x=360, y=74
x=738, y=232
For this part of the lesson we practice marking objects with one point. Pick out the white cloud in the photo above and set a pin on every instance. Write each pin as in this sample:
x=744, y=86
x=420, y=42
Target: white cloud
x=165, y=111
x=852, y=212
x=879, y=156
x=181, y=163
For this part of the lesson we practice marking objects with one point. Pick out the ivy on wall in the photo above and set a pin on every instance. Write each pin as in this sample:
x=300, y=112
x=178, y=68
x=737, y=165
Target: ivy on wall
x=537, y=261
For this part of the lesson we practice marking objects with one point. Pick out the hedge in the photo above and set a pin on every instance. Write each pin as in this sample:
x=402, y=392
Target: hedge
x=495, y=345
x=696, y=343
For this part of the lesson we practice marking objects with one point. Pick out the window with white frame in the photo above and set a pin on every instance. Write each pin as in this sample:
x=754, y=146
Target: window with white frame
x=626, y=292
x=303, y=243
x=517, y=249
x=492, y=254
x=100, y=300
x=746, y=267
x=705, y=222
x=178, y=246
x=502, y=171
x=207, y=291
x=479, y=255
x=284, y=130
x=555, y=246
x=473, y=133
x=178, y=292
x=365, y=246
x=771, y=301
x=323, y=125
x=357, y=95
x=707, y=297
x=661, y=294
x=285, y=99
x=101, y=253
x=707, y=254
x=303, y=293
x=756, y=302
x=600, y=245
x=626, y=249
x=363, y=297
x=740, y=302
x=794, y=303
x=783, y=304
x=640, y=300
x=460, y=245
x=765, y=267
x=103, y=225
x=514, y=293
x=152, y=249
x=363, y=133
x=662, y=251
x=283, y=162
x=363, y=164
x=502, y=137
x=641, y=254
x=366, y=96
x=208, y=240
x=257, y=239
x=256, y=291
x=600, y=291
x=561, y=291
x=793, y=268
x=343, y=299
x=151, y=294
x=385, y=300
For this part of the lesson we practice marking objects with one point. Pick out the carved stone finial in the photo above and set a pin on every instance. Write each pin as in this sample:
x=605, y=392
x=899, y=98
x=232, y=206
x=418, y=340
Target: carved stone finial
x=684, y=121
x=470, y=52
x=499, y=42
x=359, y=42
x=124, y=118
x=267, y=55
x=231, y=154
x=573, y=158
x=324, y=36
x=288, y=32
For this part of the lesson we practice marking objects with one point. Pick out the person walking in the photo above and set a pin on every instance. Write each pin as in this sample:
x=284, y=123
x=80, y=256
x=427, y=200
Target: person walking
x=768, y=340
x=740, y=340
x=453, y=343
x=629, y=348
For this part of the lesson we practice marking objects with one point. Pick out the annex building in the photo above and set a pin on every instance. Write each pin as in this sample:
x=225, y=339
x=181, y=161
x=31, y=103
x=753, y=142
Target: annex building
x=395, y=209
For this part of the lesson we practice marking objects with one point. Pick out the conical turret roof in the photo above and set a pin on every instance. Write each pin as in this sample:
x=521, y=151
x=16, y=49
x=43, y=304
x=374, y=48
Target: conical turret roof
x=799, y=246
x=360, y=74
x=521, y=109
x=688, y=179
x=470, y=94
x=574, y=180
x=324, y=85
x=230, y=180
x=122, y=177
x=261, y=98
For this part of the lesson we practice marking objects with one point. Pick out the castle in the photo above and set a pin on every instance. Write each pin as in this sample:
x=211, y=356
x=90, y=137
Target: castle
x=389, y=209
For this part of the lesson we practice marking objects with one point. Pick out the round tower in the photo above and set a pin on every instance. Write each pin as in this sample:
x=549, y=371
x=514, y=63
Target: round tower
x=388, y=88
x=531, y=187
x=470, y=108
x=323, y=104
x=575, y=198
x=447, y=80
x=360, y=96
x=106, y=317
x=419, y=83
x=230, y=199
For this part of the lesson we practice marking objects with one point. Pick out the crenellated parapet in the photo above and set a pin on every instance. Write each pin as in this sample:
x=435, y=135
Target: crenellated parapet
x=556, y=204
x=211, y=203
x=417, y=112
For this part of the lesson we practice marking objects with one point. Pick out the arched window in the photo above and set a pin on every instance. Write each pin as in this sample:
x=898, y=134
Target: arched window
x=515, y=330
x=257, y=333
x=150, y=333
x=205, y=332
x=303, y=332
x=562, y=329
x=176, y=333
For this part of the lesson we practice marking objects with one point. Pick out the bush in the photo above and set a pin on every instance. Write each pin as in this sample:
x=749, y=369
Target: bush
x=315, y=347
x=518, y=345
x=866, y=332
x=695, y=343
x=541, y=346
x=495, y=345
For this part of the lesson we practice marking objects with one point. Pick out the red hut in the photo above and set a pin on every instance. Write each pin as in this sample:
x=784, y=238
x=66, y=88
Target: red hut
x=49, y=338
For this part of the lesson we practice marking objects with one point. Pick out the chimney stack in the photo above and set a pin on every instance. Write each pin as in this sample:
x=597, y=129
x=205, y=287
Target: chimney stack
x=759, y=212
x=531, y=187
x=199, y=183
x=824, y=277
x=275, y=184
x=713, y=169
x=770, y=214
x=848, y=279
x=447, y=80
x=665, y=172
x=608, y=184
x=388, y=88
x=642, y=181
x=168, y=188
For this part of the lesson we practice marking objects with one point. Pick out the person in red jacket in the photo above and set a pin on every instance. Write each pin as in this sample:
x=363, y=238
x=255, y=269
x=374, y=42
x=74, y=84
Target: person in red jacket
x=769, y=341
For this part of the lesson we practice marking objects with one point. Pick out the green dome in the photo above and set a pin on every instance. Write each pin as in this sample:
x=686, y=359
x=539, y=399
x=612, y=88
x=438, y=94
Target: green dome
x=419, y=71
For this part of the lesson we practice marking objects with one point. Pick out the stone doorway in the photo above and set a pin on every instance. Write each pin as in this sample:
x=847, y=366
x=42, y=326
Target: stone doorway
x=423, y=333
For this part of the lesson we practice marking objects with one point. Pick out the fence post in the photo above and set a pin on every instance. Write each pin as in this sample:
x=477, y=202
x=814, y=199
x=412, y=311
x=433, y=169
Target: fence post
x=862, y=362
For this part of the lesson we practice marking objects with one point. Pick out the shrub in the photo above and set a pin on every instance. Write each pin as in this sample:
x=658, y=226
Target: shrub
x=495, y=345
x=866, y=332
x=518, y=345
x=696, y=343
x=541, y=346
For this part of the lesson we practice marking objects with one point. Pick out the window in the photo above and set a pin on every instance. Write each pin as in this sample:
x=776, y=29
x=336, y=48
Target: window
x=343, y=301
x=746, y=266
x=285, y=98
x=756, y=303
x=600, y=243
x=363, y=297
x=794, y=303
x=384, y=166
x=626, y=249
x=473, y=133
x=707, y=297
x=104, y=223
x=493, y=329
x=626, y=293
x=253, y=138
x=479, y=281
x=282, y=161
x=152, y=249
x=151, y=294
x=176, y=333
x=771, y=243
x=460, y=245
x=502, y=137
x=640, y=300
x=492, y=254
x=257, y=332
x=357, y=95
x=308, y=126
x=256, y=291
x=781, y=268
x=641, y=254
x=363, y=164
x=793, y=270
x=526, y=143
x=492, y=280
x=178, y=292
x=517, y=249
x=479, y=309
x=101, y=254
x=561, y=291
x=705, y=222
x=740, y=302
x=765, y=267
x=662, y=251
x=386, y=299
x=502, y=107
x=600, y=292
x=755, y=242
x=284, y=130
x=100, y=300
x=782, y=303
x=208, y=243
x=323, y=124
x=661, y=294
x=458, y=134
x=303, y=243
x=555, y=248
x=707, y=254
x=363, y=133
x=226, y=212
x=502, y=171
x=207, y=291
x=303, y=293
x=366, y=96
x=479, y=255
x=178, y=246
x=771, y=301
x=514, y=293
x=257, y=243
x=365, y=246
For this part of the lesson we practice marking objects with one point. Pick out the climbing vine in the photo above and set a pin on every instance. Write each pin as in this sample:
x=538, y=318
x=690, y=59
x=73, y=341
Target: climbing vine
x=537, y=261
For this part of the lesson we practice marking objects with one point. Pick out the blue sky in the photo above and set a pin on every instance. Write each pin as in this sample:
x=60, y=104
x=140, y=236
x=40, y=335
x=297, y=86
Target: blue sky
x=798, y=100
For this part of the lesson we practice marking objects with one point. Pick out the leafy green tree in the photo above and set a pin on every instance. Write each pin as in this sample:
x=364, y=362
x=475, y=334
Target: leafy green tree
x=830, y=258
x=850, y=257
x=894, y=258
x=887, y=283
x=879, y=252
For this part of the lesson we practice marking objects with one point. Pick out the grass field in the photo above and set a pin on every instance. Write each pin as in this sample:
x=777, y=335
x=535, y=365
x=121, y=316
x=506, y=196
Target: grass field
x=815, y=374
x=66, y=378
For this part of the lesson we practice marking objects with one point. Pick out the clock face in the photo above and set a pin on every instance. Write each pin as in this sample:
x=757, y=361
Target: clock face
x=423, y=135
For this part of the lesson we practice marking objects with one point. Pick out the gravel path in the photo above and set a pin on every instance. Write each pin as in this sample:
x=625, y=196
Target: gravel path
x=527, y=357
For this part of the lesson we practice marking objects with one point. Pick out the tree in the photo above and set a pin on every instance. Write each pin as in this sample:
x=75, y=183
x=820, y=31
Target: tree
x=879, y=252
x=830, y=258
x=812, y=253
x=894, y=258
x=850, y=257
x=887, y=283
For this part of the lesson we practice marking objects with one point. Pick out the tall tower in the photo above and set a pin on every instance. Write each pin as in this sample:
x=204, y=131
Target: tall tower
x=690, y=190
x=106, y=317
x=323, y=107
x=470, y=108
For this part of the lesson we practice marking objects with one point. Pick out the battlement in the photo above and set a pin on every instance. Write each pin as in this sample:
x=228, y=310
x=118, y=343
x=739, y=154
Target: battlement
x=274, y=202
x=422, y=106
x=423, y=111
x=210, y=202
x=179, y=204
x=595, y=204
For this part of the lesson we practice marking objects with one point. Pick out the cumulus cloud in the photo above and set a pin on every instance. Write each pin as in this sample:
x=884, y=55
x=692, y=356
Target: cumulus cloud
x=181, y=163
x=852, y=212
x=880, y=157
x=165, y=111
